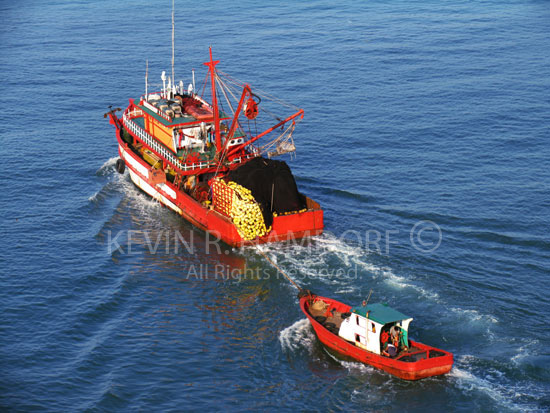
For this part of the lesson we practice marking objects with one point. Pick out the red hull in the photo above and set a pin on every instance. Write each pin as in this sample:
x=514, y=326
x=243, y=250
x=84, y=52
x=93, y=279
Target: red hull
x=405, y=370
x=284, y=228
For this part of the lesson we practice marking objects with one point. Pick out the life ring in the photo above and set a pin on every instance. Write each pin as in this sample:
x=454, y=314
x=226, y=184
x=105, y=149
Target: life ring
x=384, y=337
x=251, y=109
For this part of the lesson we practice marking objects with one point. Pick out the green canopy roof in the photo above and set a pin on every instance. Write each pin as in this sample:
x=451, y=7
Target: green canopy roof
x=380, y=313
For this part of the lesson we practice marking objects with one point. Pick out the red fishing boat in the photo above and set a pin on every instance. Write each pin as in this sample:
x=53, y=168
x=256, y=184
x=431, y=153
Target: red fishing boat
x=204, y=159
x=373, y=334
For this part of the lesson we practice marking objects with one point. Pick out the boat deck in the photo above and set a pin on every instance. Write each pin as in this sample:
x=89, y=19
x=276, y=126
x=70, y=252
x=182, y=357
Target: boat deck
x=333, y=316
x=183, y=119
x=140, y=121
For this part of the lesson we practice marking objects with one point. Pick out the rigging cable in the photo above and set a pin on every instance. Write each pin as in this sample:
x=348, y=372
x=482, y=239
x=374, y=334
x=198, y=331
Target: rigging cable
x=280, y=270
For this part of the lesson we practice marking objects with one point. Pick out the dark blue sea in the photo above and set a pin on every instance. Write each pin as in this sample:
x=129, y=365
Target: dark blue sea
x=426, y=139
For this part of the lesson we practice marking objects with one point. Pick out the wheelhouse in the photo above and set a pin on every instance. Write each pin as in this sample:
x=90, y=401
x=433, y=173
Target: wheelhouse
x=369, y=326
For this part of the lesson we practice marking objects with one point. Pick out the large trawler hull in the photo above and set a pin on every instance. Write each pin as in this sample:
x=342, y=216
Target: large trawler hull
x=204, y=160
x=285, y=228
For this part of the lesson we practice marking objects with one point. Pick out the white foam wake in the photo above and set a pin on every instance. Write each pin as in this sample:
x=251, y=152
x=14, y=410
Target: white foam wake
x=526, y=349
x=108, y=166
x=402, y=283
x=105, y=170
x=335, y=262
x=324, y=258
x=93, y=198
x=502, y=392
x=122, y=184
x=346, y=268
x=297, y=336
x=352, y=366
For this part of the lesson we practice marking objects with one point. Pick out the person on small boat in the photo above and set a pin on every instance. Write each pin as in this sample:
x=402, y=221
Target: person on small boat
x=397, y=337
x=390, y=350
x=393, y=346
x=394, y=332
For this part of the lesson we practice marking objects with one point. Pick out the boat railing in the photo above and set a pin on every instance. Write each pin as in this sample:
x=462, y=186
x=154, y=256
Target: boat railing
x=152, y=143
x=242, y=158
x=135, y=113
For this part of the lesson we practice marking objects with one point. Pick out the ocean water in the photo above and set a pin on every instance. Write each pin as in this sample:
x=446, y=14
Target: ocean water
x=426, y=140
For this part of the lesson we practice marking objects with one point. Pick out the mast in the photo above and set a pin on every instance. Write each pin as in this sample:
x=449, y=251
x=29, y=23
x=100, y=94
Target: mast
x=146, y=77
x=212, y=68
x=173, y=25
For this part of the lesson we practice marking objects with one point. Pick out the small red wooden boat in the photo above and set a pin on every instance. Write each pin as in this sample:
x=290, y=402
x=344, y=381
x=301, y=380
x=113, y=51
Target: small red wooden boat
x=362, y=334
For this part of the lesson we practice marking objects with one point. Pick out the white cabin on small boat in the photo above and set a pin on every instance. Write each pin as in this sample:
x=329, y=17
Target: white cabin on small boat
x=367, y=324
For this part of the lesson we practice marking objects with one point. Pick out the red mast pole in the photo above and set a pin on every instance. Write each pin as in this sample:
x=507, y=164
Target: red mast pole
x=212, y=67
x=235, y=123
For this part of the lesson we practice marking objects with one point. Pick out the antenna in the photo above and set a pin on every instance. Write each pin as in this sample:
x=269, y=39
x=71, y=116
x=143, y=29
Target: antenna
x=146, y=76
x=173, y=77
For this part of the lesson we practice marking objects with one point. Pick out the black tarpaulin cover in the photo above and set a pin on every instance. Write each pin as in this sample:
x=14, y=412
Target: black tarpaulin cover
x=270, y=180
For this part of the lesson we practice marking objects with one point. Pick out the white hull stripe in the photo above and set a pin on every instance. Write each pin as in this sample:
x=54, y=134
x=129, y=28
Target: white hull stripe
x=144, y=185
x=167, y=190
x=135, y=164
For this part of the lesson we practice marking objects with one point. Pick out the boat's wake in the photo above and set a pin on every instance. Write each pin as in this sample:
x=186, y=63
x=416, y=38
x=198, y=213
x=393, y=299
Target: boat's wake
x=299, y=336
x=347, y=269
x=107, y=170
x=324, y=259
x=340, y=264
x=108, y=167
x=353, y=366
x=121, y=184
x=473, y=375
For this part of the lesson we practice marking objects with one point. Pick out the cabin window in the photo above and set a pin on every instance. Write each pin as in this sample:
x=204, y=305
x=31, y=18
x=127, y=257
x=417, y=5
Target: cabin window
x=357, y=338
x=373, y=327
x=357, y=319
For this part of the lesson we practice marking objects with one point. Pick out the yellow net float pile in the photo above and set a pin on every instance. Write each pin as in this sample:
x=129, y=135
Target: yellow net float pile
x=245, y=212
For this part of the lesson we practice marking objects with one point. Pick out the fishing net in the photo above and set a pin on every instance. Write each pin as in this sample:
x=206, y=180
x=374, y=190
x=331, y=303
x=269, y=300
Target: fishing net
x=272, y=185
